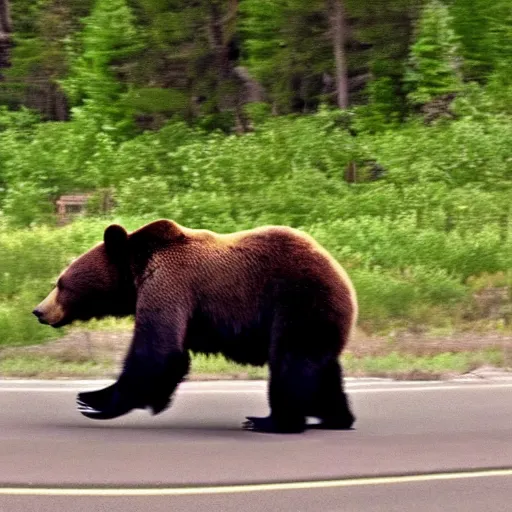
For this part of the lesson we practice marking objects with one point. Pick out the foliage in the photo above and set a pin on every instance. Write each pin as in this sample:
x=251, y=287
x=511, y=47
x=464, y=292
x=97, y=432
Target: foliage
x=470, y=22
x=418, y=214
x=382, y=110
x=109, y=37
x=413, y=240
x=433, y=69
x=286, y=51
x=38, y=58
x=24, y=202
x=500, y=43
x=22, y=119
x=148, y=61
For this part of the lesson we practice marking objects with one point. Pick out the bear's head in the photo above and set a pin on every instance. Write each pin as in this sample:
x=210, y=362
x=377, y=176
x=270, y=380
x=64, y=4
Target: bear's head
x=97, y=284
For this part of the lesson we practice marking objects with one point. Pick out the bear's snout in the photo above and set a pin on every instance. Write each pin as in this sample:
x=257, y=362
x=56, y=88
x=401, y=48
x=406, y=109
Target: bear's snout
x=49, y=312
x=39, y=314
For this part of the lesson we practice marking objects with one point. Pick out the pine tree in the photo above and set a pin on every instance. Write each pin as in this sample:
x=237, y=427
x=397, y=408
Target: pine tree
x=471, y=23
x=499, y=40
x=191, y=53
x=38, y=59
x=383, y=108
x=289, y=46
x=434, y=65
x=261, y=22
x=95, y=83
x=382, y=32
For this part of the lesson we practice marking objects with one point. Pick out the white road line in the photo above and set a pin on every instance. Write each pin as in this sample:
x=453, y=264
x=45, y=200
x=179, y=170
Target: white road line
x=394, y=389
x=245, y=488
x=464, y=387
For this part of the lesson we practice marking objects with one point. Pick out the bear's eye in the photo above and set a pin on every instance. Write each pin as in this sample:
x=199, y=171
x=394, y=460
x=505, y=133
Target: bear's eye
x=60, y=285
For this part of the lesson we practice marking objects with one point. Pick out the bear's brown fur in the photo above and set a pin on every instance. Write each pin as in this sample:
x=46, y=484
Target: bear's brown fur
x=267, y=295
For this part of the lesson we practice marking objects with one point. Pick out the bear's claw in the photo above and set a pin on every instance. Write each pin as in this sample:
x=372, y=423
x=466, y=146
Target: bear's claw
x=105, y=404
x=85, y=408
x=90, y=412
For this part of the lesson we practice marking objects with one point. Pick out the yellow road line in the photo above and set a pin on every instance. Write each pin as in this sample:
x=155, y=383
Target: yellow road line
x=231, y=489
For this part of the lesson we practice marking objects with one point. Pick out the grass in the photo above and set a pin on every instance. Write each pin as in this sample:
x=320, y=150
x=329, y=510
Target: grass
x=50, y=367
x=212, y=366
x=411, y=367
x=83, y=354
x=394, y=365
x=57, y=366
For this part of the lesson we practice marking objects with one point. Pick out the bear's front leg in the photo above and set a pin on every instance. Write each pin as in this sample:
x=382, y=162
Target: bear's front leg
x=106, y=404
x=130, y=391
x=154, y=366
x=151, y=392
x=140, y=386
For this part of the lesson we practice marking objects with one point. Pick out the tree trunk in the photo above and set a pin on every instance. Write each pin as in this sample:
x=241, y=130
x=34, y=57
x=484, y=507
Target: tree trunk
x=5, y=34
x=336, y=13
x=217, y=43
x=228, y=88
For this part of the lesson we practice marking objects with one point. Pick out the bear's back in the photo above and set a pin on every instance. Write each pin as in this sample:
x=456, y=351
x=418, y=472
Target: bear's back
x=245, y=259
x=247, y=264
x=266, y=251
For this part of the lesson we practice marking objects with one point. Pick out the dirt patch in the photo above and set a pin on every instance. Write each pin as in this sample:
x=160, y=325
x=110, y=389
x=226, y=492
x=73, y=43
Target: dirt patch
x=423, y=344
x=80, y=346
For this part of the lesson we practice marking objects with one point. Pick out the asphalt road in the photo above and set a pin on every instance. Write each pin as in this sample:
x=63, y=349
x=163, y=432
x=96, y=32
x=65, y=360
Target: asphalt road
x=52, y=458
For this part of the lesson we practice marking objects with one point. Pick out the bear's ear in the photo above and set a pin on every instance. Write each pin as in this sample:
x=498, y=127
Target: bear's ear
x=116, y=242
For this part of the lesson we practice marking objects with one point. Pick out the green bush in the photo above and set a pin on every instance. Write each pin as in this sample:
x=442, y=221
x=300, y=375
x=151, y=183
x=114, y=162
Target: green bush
x=21, y=119
x=17, y=324
x=386, y=295
x=25, y=203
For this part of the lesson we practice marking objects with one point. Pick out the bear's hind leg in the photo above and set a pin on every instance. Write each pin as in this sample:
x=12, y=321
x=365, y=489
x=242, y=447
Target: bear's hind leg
x=291, y=385
x=331, y=404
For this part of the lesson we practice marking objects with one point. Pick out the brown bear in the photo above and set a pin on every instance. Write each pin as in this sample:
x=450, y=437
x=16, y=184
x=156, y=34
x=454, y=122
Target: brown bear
x=266, y=295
